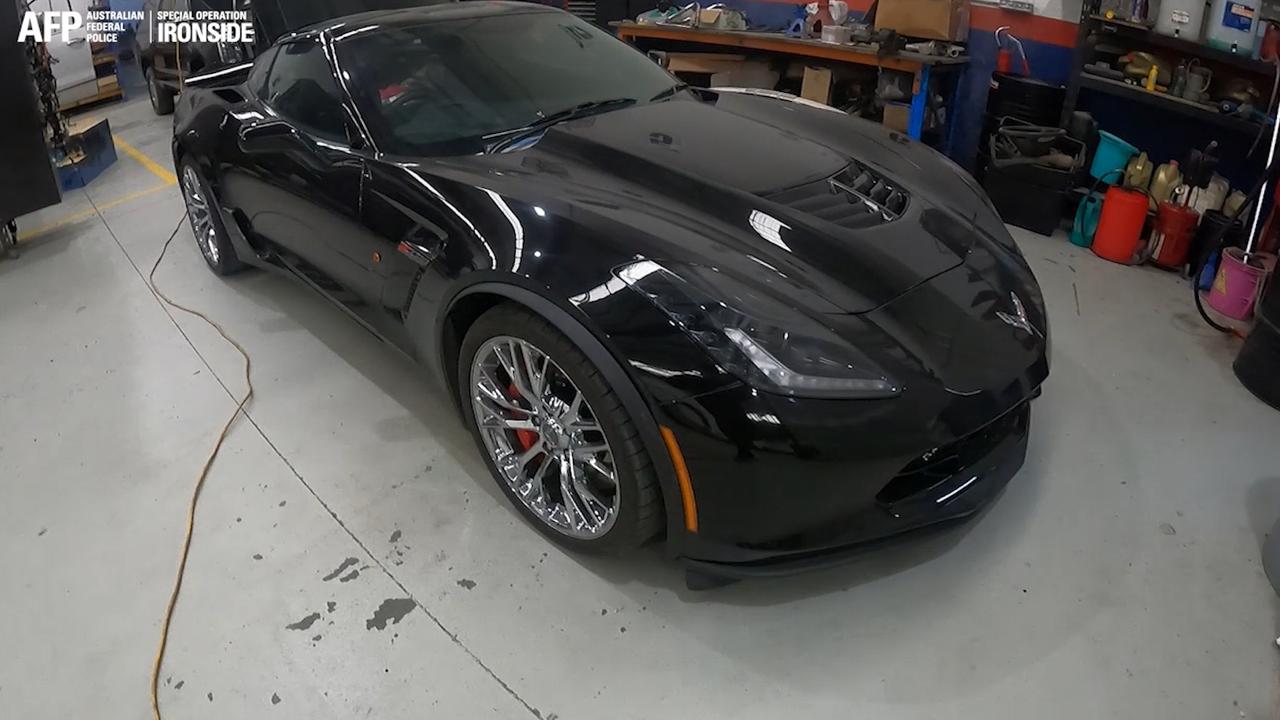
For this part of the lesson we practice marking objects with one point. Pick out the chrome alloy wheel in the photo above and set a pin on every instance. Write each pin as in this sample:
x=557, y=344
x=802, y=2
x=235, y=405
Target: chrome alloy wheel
x=201, y=215
x=544, y=438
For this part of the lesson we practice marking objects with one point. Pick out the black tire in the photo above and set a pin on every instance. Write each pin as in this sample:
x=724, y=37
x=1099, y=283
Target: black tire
x=640, y=511
x=161, y=96
x=226, y=261
x=9, y=239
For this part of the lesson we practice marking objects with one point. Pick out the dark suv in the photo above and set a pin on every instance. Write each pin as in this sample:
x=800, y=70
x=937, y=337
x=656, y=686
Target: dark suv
x=165, y=65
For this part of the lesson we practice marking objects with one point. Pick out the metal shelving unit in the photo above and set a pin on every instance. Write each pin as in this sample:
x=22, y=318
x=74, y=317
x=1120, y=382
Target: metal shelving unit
x=1142, y=37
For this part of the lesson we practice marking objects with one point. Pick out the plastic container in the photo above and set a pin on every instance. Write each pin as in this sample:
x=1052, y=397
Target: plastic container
x=1137, y=173
x=1028, y=193
x=1211, y=225
x=1085, y=225
x=1120, y=226
x=1180, y=18
x=1081, y=126
x=1035, y=101
x=1233, y=203
x=1209, y=198
x=1230, y=25
x=1163, y=181
x=1112, y=154
x=1171, y=239
x=1236, y=286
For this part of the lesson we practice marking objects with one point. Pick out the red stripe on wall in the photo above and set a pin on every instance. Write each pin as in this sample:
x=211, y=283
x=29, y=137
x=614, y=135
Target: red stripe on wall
x=985, y=18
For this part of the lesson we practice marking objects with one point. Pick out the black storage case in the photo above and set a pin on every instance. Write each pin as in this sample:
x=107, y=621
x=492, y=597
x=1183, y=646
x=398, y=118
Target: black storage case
x=28, y=181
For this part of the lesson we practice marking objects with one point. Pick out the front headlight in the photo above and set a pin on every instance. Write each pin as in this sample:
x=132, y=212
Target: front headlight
x=765, y=343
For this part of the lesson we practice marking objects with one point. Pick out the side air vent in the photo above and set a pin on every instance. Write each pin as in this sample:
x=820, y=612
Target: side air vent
x=854, y=197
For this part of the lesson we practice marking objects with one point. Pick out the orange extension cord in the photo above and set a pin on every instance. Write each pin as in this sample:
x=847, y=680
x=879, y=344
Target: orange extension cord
x=204, y=471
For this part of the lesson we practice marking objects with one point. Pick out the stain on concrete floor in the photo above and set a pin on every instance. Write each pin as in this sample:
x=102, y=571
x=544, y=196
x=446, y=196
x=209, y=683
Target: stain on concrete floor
x=305, y=623
x=340, y=569
x=392, y=610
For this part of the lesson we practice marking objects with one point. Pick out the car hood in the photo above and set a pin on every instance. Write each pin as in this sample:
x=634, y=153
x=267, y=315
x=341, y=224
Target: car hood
x=760, y=188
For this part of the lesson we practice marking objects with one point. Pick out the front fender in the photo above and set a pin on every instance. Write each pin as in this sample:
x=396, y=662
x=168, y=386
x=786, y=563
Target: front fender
x=582, y=327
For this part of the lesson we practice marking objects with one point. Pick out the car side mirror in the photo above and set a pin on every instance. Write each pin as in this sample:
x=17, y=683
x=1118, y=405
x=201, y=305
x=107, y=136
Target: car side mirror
x=270, y=137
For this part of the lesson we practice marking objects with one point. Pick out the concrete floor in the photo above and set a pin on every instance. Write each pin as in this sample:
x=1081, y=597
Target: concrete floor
x=1117, y=577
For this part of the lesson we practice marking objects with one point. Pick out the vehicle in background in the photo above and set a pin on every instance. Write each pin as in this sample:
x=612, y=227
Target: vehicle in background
x=167, y=65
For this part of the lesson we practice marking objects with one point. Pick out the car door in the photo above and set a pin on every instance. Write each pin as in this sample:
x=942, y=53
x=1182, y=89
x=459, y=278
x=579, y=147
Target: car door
x=304, y=188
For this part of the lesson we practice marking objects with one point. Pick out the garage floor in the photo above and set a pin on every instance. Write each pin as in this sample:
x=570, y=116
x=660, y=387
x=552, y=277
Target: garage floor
x=352, y=558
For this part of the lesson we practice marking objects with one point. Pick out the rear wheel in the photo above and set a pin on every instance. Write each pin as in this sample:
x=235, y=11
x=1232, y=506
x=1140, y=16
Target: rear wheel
x=161, y=97
x=206, y=222
x=9, y=239
x=555, y=436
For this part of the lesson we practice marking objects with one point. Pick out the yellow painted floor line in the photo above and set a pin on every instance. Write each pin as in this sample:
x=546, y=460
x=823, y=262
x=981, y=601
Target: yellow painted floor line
x=156, y=168
x=91, y=212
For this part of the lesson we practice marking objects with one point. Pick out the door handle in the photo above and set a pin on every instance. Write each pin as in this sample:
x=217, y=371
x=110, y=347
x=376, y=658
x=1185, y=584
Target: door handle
x=77, y=41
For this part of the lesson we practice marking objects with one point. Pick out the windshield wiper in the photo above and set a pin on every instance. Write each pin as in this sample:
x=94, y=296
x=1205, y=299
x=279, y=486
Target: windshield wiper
x=669, y=92
x=505, y=138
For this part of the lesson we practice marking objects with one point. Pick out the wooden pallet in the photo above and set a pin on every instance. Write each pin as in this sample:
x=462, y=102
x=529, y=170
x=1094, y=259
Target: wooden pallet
x=108, y=89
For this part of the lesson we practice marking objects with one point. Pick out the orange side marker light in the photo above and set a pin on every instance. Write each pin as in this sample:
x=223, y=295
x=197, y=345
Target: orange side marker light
x=682, y=476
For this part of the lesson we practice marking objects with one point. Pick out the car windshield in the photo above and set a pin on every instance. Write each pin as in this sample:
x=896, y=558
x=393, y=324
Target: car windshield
x=441, y=88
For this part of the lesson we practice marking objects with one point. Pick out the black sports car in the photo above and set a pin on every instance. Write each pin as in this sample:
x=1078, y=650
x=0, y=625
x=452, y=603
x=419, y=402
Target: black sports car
x=751, y=324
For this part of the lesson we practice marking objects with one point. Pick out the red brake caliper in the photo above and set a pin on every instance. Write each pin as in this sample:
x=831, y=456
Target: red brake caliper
x=526, y=438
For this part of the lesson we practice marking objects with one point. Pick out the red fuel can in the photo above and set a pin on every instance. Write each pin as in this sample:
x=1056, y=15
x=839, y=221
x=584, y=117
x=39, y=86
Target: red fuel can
x=1120, y=225
x=1171, y=238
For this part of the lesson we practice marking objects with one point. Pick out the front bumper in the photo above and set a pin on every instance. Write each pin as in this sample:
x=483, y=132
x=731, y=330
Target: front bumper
x=785, y=485
x=905, y=503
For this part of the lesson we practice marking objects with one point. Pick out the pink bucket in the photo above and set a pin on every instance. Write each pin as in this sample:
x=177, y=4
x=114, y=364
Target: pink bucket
x=1236, y=286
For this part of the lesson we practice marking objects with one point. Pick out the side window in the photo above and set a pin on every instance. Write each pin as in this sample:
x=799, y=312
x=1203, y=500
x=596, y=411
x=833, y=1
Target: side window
x=258, y=76
x=301, y=88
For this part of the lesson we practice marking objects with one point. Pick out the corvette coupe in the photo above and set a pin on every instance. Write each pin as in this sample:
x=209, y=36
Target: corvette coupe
x=749, y=324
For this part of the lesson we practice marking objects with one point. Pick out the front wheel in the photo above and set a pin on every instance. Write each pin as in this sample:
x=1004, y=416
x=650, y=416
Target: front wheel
x=555, y=436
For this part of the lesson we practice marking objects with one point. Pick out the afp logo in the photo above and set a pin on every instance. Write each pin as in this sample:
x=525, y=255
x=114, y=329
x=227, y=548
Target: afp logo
x=41, y=27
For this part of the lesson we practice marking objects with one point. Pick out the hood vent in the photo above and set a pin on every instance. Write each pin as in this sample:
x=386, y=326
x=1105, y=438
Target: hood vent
x=855, y=197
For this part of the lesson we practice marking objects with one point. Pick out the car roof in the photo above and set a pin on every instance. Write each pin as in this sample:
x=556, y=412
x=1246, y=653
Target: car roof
x=422, y=14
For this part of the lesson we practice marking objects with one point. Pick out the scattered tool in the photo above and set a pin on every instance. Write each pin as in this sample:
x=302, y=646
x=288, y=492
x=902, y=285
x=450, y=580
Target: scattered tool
x=936, y=47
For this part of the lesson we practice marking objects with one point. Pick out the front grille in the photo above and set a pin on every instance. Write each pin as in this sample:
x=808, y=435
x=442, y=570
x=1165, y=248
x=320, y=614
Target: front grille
x=940, y=463
x=853, y=198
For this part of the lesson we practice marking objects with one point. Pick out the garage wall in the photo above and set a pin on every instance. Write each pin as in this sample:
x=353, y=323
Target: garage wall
x=1049, y=37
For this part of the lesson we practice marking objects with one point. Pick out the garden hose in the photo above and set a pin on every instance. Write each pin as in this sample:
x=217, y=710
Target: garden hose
x=204, y=470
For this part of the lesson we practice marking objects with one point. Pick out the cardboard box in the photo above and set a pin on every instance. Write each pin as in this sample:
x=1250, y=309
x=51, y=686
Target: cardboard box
x=927, y=19
x=751, y=74
x=896, y=116
x=816, y=85
x=708, y=63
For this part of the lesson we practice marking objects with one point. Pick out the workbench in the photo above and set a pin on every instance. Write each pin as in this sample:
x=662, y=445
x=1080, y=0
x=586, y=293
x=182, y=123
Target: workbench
x=922, y=67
